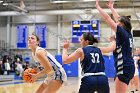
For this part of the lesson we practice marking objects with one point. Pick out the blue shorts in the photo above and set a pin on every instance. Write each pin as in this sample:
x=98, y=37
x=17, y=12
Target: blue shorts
x=128, y=73
x=98, y=83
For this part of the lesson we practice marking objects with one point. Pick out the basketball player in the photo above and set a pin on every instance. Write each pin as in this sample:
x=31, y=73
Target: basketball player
x=134, y=83
x=92, y=63
x=54, y=71
x=124, y=62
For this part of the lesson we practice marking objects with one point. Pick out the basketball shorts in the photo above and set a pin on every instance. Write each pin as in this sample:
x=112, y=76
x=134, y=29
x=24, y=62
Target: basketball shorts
x=128, y=73
x=91, y=84
x=59, y=75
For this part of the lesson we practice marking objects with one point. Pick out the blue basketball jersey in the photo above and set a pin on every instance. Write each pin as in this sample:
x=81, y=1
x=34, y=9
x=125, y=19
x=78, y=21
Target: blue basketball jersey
x=123, y=52
x=93, y=61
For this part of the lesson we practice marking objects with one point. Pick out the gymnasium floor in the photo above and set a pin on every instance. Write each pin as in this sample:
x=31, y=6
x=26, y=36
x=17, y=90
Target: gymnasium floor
x=18, y=86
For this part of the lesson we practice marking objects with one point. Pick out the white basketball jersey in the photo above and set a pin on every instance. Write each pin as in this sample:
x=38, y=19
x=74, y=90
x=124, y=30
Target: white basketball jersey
x=55, y=64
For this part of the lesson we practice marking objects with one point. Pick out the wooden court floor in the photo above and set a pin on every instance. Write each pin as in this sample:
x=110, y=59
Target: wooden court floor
x=18, y=86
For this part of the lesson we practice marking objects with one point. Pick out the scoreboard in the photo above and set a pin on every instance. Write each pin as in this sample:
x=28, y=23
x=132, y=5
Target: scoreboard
x=80, y=27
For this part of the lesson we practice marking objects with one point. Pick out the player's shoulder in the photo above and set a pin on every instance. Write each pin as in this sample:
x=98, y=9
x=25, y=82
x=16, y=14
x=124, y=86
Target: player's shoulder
x=40, y=51
x=79, y=50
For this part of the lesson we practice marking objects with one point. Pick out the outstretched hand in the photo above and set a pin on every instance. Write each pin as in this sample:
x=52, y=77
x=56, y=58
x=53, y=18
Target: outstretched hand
x=110, y=4
x=97, y=3
x=66, y=44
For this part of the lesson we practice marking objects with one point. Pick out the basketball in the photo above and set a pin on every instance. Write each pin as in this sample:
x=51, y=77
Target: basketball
x=27, y=76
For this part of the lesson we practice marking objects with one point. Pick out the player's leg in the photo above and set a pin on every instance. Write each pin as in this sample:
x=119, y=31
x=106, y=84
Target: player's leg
x=136, y=82
x=55, y=82
x=136, y=79
x=41, y=88
x=120, y=86
x=131, y=84
x=122, y=80
x=53, y=86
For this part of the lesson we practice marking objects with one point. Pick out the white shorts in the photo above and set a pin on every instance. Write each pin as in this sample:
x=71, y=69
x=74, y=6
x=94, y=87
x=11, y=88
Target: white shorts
x=59, y=75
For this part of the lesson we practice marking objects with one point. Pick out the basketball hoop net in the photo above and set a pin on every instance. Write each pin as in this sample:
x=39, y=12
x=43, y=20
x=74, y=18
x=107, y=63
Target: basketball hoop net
x=87, y=15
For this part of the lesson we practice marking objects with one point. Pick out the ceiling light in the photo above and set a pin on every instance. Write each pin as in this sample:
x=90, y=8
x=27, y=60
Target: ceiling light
x=68, y=1
x=5, y=4
x=61, y=1
x=10, y=13
x=1, y=1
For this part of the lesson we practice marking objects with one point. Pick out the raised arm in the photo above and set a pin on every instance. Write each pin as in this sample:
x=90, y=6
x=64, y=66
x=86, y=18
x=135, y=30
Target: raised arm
x=110, y=6
x=106, y=17
x=72, y=57
x=110, y=48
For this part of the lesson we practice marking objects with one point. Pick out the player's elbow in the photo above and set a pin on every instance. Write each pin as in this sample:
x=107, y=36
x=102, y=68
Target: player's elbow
x=107, y=50
x=110, y=49
x=65, y=61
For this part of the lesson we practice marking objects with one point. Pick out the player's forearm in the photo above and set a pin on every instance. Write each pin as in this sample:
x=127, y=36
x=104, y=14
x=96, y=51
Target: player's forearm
x=110, y=48
x=115, y=14
x=65, y=56
x=43, y=72
x=102, y=12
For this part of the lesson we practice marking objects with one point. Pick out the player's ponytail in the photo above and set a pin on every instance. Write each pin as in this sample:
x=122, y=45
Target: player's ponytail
x=88, y=36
